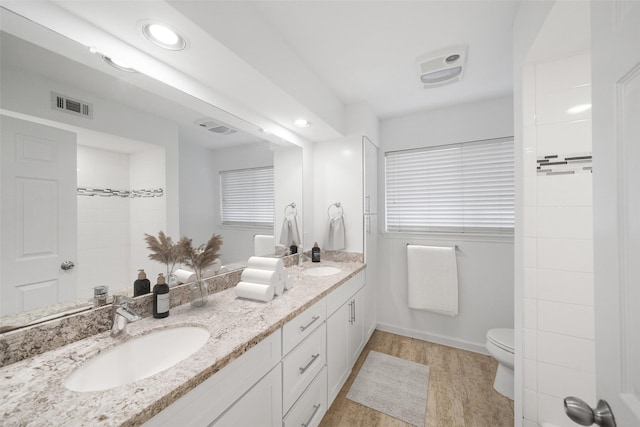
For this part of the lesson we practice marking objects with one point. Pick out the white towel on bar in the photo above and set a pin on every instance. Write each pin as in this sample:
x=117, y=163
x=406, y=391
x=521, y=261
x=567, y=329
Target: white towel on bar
x=289, y=233
x=433, y=279
x=263, y=245
x=336, y=239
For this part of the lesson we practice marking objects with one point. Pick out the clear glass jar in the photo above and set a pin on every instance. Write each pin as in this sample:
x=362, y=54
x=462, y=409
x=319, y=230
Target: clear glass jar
x=199, y=293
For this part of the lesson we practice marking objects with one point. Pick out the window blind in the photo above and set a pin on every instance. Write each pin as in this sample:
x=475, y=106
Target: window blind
x=247, y=197
x=463, y=188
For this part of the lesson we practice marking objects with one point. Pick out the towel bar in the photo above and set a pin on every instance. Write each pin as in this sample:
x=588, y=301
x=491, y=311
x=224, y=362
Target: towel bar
x=456, y=247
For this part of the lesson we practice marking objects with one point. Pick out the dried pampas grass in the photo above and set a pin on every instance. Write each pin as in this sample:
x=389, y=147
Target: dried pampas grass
x=203, y=256
x=164, y=250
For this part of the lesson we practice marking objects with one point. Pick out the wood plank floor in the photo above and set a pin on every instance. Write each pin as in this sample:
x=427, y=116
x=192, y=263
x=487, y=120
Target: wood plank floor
x=460, y=391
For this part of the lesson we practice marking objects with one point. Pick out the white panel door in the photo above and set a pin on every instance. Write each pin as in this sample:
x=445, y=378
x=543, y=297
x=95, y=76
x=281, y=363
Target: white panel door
x=38, y=215
x=616, y=180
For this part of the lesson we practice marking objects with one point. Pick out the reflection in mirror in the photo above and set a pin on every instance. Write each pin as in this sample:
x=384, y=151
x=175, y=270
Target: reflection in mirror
x=140, y=163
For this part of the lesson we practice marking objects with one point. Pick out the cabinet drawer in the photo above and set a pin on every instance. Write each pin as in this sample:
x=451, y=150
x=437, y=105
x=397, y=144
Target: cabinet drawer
x=302, y=326
x=301, y=366
x=312, y=405
x=339, y=296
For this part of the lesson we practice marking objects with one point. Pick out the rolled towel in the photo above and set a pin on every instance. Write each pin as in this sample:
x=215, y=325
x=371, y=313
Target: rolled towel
x=265, y=277
x=286, y=279
x=185, y=276
x=279, y=288
x=264, y=263
x=255, y=291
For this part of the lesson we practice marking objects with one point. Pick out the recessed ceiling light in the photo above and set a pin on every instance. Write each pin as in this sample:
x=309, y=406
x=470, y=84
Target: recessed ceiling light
x=579, y=109
x=301, y=123
x=163, y=36
x=122, y=66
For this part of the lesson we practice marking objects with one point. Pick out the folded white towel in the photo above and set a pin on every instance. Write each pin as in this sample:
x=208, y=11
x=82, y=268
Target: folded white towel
x=265, y=277
x=433, y=279
x=336, y=240
x=289, y=233
x=254, y=291
x=266, y=263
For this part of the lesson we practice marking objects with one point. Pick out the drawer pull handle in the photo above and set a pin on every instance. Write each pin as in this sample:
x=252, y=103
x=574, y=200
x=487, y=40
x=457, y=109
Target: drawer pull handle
x=305, y=327
x=315, y=409
x=313, y=359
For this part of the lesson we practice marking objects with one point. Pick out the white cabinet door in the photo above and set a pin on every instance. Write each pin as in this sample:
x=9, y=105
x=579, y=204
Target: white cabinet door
x=38, y=215
x=260, y=406
x=355, y=338
x=337, y=352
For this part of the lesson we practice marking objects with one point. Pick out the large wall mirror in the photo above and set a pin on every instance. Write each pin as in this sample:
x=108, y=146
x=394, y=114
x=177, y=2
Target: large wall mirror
x=132, y=158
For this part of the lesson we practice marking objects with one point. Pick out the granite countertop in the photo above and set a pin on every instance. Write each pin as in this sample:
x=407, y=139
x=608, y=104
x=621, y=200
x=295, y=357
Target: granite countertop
x=33, y=393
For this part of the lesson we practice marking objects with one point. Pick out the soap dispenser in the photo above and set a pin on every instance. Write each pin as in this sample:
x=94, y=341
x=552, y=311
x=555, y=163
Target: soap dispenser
x=161, y=301
x=315, y=253
x=293, y=248
x=142, y=285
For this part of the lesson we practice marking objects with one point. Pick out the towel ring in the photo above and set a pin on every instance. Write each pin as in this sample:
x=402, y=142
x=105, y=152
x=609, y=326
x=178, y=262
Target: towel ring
x=338, y=206
x=293, y=211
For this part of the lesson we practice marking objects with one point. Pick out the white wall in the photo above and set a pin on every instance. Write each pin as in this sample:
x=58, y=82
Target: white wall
x=338, y=178
x=485, y=265
x=238, y=241
x=558, y=313
x=287, y=181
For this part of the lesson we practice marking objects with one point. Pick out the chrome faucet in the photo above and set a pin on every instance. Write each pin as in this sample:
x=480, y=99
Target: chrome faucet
x=122, y=314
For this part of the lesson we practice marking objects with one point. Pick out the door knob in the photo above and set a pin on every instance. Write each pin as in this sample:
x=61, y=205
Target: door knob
x=581, y=413
x=67, y=265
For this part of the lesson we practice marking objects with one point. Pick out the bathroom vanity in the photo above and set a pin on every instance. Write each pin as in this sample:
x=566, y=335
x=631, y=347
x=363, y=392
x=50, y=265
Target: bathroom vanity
x=263, y=361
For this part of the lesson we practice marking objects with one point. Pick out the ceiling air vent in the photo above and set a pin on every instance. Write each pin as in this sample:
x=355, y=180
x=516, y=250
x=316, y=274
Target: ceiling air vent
x=215, y=127
x=71, y=105
x=442, y=67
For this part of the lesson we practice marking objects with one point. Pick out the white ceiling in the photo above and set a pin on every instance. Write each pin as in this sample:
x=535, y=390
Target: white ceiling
x=271, y=62
x=367, y=50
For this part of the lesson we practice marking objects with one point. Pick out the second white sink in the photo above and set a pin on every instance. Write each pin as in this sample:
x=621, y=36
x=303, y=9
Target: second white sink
x=320, y=271
x=137, y=358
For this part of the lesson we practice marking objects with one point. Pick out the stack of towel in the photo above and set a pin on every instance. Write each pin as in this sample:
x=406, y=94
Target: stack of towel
x=263, y=278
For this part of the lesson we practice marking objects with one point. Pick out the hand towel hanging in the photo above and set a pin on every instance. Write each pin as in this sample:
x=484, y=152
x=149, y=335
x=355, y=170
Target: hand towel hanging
x=433, y=279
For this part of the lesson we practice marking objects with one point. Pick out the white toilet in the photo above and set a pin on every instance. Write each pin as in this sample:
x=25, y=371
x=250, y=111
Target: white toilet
x=500, y=346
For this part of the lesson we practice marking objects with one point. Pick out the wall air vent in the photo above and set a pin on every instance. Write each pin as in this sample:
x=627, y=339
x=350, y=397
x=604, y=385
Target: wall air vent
x=71, y=105
x=215, y=127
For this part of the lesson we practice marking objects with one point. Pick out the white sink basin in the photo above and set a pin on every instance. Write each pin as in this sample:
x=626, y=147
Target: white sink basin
x=137, y=359
x=320, y=271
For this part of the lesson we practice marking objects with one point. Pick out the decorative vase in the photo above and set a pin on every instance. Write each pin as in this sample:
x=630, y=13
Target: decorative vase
x=172, y=280
x=199, y=291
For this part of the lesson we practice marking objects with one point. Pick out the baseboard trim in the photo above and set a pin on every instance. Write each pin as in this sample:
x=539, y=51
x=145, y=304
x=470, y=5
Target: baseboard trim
x=434, y=338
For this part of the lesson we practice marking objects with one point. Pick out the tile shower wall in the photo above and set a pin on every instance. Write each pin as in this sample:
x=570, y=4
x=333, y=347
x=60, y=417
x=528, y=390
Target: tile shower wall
x=111, y=229
x=103, y=222
x=558, y=313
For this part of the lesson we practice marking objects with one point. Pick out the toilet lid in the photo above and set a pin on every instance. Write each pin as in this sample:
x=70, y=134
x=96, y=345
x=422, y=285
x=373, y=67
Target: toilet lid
x=501, y=337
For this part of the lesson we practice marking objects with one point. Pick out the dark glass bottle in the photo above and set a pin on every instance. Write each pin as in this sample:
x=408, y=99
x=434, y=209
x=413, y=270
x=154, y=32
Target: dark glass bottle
x=315, y=253
x=293, y=248
x=141, y=286
x=161, y=301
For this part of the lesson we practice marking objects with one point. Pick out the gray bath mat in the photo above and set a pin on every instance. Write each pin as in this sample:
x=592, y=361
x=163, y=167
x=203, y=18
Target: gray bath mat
x=394, y=386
